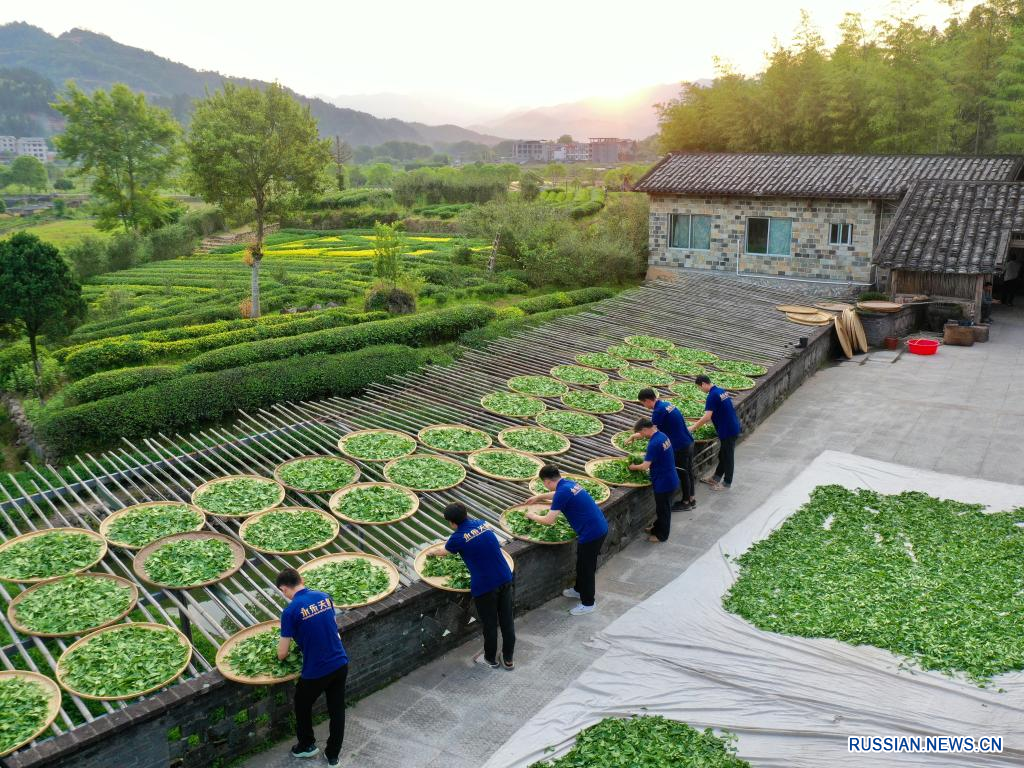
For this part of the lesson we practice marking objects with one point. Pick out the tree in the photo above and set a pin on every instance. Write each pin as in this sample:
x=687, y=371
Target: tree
x=37, y=292
x=387, y=251
x=529, y=185
x=255, y=152
x=126, y=148
x=565, y=138
x=1009, y=94
x=379, y=175
x=28, y=172
x=341, y=152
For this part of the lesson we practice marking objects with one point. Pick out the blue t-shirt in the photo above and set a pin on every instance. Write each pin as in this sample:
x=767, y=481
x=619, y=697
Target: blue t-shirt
x=480, y=549
x=664, y=477
x=669, y=419
x=309, y=620
x=723, y=415
x=580, y=510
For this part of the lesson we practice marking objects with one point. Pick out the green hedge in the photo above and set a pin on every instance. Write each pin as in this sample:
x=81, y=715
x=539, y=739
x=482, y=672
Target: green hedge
x=564, y=299
x=119, y=353
x=417, y=330
x=479, y=337
x=189, y=401
x=110, y=383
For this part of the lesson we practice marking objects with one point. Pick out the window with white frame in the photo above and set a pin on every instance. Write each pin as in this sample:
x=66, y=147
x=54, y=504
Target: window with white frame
x=840, y=234
x=769, y=236
x=691, y=231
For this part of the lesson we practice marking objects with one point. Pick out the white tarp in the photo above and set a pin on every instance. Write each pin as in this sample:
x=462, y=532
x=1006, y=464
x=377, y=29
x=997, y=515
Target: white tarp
x=792, y=701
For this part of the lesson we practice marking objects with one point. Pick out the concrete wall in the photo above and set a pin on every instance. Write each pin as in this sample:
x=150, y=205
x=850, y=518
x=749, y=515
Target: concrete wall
x=811, y=256
x=207, y=722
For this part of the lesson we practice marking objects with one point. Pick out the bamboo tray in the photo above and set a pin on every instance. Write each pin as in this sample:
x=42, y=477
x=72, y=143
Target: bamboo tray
x=390, y=465
x=819, y=319
x=844, y=337
x=590, y=465
x=138, y=564
x=853, y=322
x=879, y=306
x=331, y=521
x=474, y=457
x=345, y=438
x=419, y=436
x=108, y=521
x=338, y=495
x=43, y=532
x=12, y=608
x=393, y=579
x=217, y=480
x=229, y=645
x=641, y=444
x=503, y=436
x=797, y=309
x=117, y=628
x=50, y=689
x=606, y=493
x=441, y=583
x=833, y=306
x=280, y=467
x=538, y=509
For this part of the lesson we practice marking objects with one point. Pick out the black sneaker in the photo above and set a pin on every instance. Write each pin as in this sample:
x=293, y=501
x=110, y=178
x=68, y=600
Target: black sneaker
x=311, y=750
x=333, y=762
x=508, y=664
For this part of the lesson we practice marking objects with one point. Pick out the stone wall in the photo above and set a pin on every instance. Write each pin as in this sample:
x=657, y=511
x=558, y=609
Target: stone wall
x=811, y=256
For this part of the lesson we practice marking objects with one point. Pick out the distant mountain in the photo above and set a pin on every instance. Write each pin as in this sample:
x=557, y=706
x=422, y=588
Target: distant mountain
x=96, y=61
x=423, y=108
x=630, y=117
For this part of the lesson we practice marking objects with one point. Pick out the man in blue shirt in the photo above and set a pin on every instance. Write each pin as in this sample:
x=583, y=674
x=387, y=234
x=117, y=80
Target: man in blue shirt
x=586, y=518
x=490, y=582
x=309, y=620
x=660, y=461
x=718, y=409
x=669, y=419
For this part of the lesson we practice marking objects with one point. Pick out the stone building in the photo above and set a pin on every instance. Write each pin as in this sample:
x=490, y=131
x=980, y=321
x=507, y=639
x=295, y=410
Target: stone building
x=803, y=217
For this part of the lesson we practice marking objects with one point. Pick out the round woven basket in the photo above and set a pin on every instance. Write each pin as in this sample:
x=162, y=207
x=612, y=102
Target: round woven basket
x=52, y=692
x=879, y=306
x=844, y=337
x=12, y=608
x=339, y=495
x=43, y=532
x=660, y=348
x=278, y=469
x=639, y=442
x=503, y=438
x=229, y=645
x=818, y=319
x=249, y=522
x=539, y=509
x=393, y=580
x=419, y=436
x=589, y=469
x=210, y=483
x=344, y=438
x=117, y=628
x=441, y=583
x=109, y=521
x=237, y=550
x=474, y=457
x=391, y=464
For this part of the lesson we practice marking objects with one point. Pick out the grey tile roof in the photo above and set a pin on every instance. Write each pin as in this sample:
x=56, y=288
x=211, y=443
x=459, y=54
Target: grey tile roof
x=816, y=176
x=955, y=227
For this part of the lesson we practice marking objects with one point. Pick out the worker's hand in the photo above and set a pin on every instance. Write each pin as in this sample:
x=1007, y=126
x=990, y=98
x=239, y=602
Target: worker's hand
x=635, y=436
x=532, y=516
x=531, y=500
x=438, y=551
x=635, y=467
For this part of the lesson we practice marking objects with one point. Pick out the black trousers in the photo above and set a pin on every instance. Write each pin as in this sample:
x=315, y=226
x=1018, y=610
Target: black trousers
x=726, y=459
x=1010, y=291
x=307, y=691
x=586, y=569
x=494, y=609
x=684, y=465
x=663, y=510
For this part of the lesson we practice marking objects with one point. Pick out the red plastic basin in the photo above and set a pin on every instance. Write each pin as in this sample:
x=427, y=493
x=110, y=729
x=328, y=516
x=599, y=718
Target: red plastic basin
x=923, y=346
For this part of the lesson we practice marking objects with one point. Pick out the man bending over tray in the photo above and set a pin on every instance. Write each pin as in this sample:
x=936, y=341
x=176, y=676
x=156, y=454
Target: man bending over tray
x=490, y=582
x=309, y=620
x=586, y=518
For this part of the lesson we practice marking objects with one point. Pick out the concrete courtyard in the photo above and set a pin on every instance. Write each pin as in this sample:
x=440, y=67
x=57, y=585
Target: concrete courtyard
x=960, y=412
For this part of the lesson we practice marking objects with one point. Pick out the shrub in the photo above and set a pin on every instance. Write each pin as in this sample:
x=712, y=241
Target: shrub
x=13, y=355
x=124, y=250
x=873, y=296
x=23, y=379
x=116, y=382
x=206, y=397
x=395, y=301
x=564, y=299
x=88, y=257
x=415, y=330
x=462, y=255
x=64, y=184
x=205, y=222
x=171, y=241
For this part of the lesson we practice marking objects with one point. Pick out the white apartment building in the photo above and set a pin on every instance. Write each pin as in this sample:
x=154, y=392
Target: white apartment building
x=33, y=146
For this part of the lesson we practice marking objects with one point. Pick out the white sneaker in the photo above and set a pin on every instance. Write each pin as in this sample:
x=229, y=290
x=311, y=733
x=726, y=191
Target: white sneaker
x=582, y=609
x=571, y=593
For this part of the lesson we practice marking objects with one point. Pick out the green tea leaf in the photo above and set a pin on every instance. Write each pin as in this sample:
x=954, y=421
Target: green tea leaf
x=289, y=530
x=450, y=567
x=521, y=525
x=630, y=352
x=24, y=704
x=378, y=446
x=509, y=465
x=239, y=496
x=541, y=386
x=706, y=432
x=679, y=366
x=54, y=553
x=459, y=439
x=256, y=656
x=637, y=446
x=535, y=440
x=318, y=475
x=187, y=562
x=373, y=504
x=624, y=390
x=601, y=360
x=731, y=381
x=692, y=355
x=124, y=661
x=650, y=342
x=143, y=525
x=570, y=423
x=577, y=374
x=425, y=473
x=598, y=491
x=617, y=471
x=592, y=402
x=72, y=604
x=741, y=367
x=647, y=376
x=512, y=404
x=348, y=582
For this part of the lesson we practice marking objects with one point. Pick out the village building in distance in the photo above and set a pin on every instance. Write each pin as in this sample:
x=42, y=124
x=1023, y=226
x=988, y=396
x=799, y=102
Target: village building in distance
x=941, y=225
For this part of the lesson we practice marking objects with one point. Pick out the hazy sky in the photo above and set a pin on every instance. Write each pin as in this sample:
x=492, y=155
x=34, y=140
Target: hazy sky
x=525, y=52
